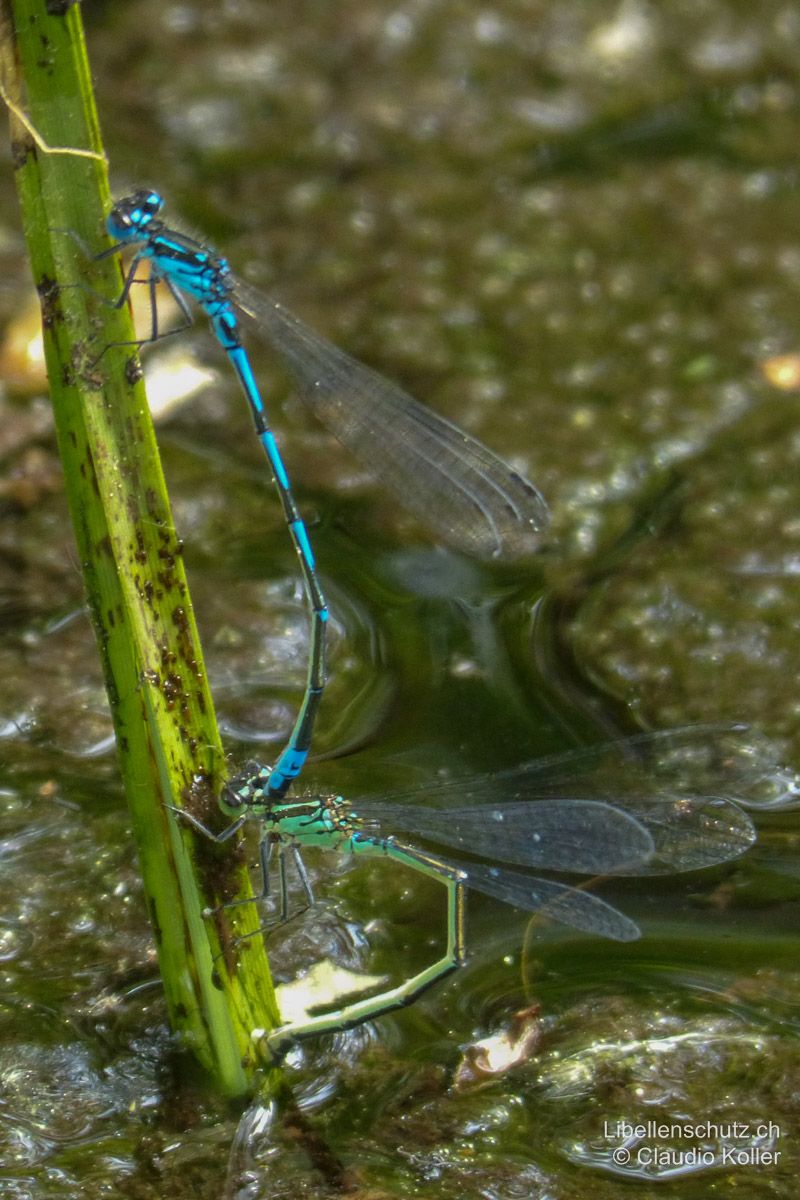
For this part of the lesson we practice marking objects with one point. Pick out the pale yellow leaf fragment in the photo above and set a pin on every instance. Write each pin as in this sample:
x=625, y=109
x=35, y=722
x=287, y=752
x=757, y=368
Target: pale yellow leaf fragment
x=483, y=1061
x=782, y=371
x=324, y=985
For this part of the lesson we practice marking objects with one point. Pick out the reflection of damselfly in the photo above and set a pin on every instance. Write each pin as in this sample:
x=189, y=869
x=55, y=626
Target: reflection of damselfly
x=651, y=804
x=458, y=487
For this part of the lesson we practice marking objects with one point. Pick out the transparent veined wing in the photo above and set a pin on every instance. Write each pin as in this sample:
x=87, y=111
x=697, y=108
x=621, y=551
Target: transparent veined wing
x=450, y=480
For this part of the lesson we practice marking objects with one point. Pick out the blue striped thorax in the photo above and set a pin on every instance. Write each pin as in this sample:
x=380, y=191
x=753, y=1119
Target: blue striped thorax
x=181, y=260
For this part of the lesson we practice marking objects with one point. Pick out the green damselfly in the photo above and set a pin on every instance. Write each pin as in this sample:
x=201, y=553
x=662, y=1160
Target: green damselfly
x=655, y=803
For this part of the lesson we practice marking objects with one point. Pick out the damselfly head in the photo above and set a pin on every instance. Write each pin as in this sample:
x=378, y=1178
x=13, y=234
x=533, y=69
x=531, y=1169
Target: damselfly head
x=129, y=218
x=247, y=791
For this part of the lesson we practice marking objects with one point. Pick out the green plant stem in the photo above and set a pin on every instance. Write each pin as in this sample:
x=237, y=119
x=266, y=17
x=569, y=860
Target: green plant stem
x=169, y=745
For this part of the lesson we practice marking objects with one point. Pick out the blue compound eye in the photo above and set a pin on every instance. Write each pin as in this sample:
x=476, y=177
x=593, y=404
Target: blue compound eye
x=151, y=202
x=118, y=223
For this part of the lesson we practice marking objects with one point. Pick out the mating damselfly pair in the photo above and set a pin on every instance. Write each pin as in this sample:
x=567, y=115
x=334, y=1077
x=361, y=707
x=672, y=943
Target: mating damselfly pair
x=656, y=803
